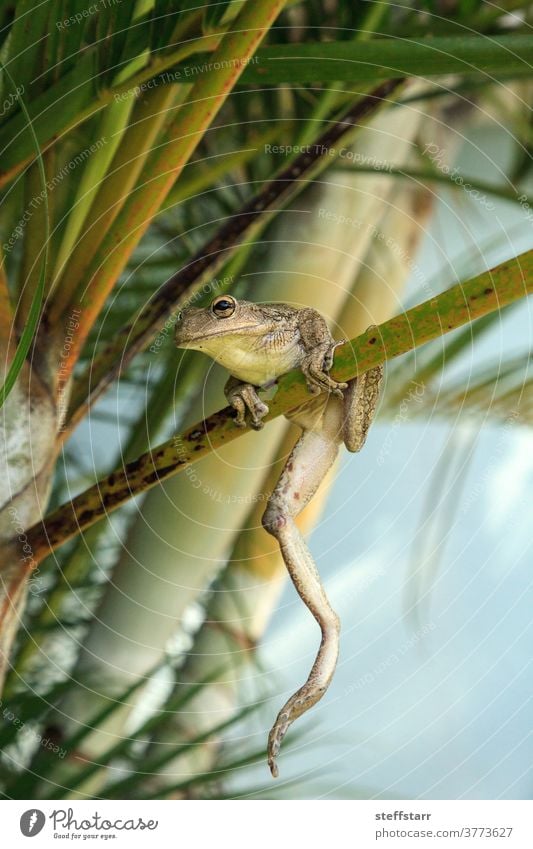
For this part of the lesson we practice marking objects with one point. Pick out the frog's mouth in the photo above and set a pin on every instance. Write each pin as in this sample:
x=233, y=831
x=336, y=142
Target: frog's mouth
x=183, y=340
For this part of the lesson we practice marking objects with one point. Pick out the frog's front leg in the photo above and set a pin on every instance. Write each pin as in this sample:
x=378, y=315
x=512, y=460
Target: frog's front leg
x=319, y=349
x=243, y=397
x=310, y=459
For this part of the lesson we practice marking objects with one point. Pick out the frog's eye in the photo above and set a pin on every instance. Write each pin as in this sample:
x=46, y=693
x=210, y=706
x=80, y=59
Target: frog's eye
x=224, y=306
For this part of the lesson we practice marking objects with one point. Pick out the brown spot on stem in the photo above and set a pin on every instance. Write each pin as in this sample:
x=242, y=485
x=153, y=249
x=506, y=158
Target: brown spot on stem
x=151, y=478
x=115, y=498
x=133, y=467
x=163, y=472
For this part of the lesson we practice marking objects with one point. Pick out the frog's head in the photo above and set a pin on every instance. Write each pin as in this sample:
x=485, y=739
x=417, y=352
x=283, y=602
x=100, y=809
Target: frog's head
x=215, y=326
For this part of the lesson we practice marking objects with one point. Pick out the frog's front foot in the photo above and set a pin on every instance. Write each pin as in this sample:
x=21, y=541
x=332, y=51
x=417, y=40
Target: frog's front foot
x=243, y=397
x=315, y=367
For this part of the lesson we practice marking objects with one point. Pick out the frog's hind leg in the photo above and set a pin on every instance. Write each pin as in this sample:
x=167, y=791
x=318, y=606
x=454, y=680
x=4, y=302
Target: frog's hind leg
x=310, y=459
x=360, y=402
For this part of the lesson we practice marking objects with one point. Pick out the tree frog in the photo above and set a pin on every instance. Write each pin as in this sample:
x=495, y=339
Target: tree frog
x=257, y=343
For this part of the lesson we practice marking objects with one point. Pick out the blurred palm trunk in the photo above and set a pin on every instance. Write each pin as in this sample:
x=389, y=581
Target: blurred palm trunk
x=29, y=421
x=188, y=527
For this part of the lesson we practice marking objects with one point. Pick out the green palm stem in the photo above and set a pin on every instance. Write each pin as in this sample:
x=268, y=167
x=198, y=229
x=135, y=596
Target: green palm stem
x=111, y=126
x=116, y=167
x=115, y=186
x=7, y=337
x=200, y=108
x=34, y=238
x=58, y=126
x=381, y=58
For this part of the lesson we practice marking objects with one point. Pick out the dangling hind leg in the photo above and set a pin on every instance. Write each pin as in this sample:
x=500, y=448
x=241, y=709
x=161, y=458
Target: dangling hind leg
x=311, y=458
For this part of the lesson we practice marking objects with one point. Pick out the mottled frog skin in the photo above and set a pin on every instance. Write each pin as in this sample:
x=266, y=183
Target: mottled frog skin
x=257, y=343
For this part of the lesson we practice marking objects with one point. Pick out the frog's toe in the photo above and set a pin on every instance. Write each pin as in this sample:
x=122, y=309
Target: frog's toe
x=258, y=412
x=337, y=389
x=330, y=354
x=313, y=387
x=244, y=399
x=320, y=381
x=240, y=410
x=274, y=771
x=275, y=738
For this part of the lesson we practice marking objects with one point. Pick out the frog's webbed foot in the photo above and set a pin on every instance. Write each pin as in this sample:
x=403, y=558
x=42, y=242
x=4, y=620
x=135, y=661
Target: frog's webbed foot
x=315, y=367
x=243, y=398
